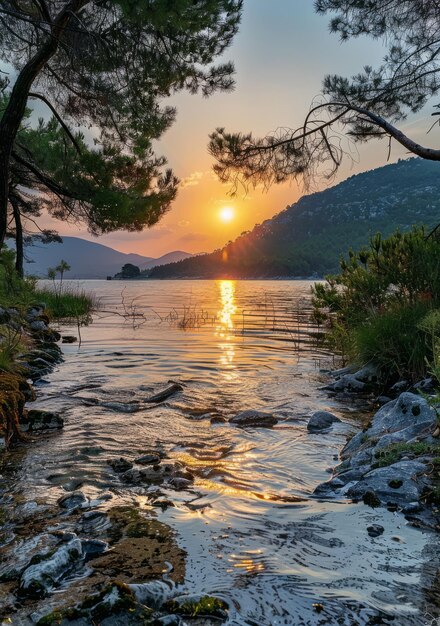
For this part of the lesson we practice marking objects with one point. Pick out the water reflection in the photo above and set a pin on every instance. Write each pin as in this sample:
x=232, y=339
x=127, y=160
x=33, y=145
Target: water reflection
x=227, y=302
x=225, y=326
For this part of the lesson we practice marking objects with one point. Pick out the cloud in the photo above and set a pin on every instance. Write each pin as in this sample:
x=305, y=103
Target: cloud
x=192, y=180
x=183, y=223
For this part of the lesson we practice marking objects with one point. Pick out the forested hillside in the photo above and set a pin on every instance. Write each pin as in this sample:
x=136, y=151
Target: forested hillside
x=308, y=237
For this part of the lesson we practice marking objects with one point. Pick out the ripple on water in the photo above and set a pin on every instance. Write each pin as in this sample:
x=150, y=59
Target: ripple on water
x=252, y=533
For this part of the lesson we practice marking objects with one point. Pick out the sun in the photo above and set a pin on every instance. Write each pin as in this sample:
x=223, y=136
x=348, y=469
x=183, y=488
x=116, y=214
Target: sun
x=227, y=214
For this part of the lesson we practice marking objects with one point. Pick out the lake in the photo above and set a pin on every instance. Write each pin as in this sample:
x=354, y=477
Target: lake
x=253, y=533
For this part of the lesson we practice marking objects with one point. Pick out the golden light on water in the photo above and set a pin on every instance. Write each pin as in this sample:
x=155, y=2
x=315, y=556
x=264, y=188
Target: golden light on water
x=227, y=214
x=228, y=310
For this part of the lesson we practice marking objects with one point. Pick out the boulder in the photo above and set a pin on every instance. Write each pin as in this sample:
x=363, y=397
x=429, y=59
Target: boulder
x=321, y=420
x=407, y=410
x=401, y=483
x=251, y=418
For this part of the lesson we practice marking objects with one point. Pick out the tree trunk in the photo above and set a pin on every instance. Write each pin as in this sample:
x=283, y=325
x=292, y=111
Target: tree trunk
x=19, y=251
x=14, y=112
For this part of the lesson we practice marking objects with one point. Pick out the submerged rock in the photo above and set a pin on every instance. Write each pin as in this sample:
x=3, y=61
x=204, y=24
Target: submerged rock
x=251, y=418
x=147, y=459
x=43, y=420
x=165, y=393
x=69, y=339
x=321, y=420
x=375, y=530
x=39, y=578
x=72, y=500
x=120, y=465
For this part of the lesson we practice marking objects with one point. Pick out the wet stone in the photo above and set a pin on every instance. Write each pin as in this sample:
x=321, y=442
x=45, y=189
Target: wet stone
x=93, y=522
x=321, y=420
x=72, y=500
x=40, y=577
x=251, y=418
x=69, y=339
x=43, y=420
x=147, y=459
x=375, y=530
x=120, y=465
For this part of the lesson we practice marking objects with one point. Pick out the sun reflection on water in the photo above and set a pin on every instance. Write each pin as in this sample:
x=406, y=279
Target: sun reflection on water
x=225, y=325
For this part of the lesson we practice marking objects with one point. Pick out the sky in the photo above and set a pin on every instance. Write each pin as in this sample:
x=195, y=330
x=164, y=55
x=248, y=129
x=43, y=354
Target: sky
x=281, y=54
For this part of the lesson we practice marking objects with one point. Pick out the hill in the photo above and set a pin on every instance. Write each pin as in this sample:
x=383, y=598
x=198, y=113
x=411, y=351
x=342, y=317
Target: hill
x=87, y=258
x=308, y=237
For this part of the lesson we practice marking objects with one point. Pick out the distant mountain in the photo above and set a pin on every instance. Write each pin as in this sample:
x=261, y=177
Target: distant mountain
x=171, y=257
x=87, y=258
x=308, y=237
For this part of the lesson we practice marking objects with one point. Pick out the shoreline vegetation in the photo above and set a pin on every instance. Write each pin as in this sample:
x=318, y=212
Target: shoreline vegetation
x=29, y=347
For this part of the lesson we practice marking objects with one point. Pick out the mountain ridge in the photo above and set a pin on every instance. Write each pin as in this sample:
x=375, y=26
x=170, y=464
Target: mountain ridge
x=308, y=237
x=88, y=259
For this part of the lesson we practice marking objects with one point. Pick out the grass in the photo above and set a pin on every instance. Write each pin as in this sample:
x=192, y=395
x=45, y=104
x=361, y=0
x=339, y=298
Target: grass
x=69, y=304
x=392, y=454
x=394, y=341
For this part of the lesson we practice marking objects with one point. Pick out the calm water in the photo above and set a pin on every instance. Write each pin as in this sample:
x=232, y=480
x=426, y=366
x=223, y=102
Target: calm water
x=253, y=532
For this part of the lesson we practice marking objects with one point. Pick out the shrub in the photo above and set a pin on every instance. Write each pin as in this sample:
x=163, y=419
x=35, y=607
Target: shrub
x=384, y=306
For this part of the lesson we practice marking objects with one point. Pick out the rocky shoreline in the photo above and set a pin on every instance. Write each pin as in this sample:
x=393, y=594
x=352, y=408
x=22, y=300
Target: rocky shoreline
x=394, y=461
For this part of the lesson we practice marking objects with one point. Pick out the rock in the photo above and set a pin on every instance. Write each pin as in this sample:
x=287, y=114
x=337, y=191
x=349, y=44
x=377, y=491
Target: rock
x=166, y=393
x=407, y=410
x=321, y=420
x=426, y=385
x=93, y=522
x=421, y=429
x=408, y=482
x=38, y=325
x=43, y=420
x=362, y=380
x=218, y=419
x=72, y=500
x=179, y=483
x=375, y=530
x=208, y=606
x=38, y=579
x=120, y=465
x=381, y=400
x=34, y=312
x=348, y=382
x=122, y=407
x=147, y=459
x=93, y=547
x=68, y=339
x=251, y=418
x=152, y=474
x=399, y=387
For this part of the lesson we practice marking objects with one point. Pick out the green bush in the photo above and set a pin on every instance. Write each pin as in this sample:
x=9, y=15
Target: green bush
x=384, y=306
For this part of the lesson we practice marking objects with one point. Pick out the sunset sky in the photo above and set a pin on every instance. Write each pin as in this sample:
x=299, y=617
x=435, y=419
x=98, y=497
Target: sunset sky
x=281, y=54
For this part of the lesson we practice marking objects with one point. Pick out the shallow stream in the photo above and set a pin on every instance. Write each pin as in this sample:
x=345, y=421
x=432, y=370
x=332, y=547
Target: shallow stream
x=252, y=531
